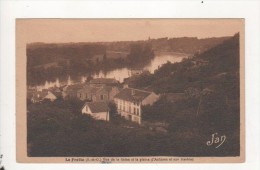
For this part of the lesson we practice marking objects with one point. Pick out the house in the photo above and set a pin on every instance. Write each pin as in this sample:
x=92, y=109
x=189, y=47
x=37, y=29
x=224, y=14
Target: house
x=98, y=110
x=111, y=91
x=87, y=93
x=97, y=93
x=70, y=92
x=56, y=91
x=129, y=102
x=39, y=96
x=104, y=81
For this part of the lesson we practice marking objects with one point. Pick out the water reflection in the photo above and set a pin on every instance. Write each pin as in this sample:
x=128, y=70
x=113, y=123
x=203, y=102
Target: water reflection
x=118, y=74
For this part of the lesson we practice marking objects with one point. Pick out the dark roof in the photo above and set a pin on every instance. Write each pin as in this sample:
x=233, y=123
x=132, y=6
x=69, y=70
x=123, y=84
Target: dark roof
x=97, y=107
x=95, y=89
x=74, y=87
x=103, y=81
x=130, y=94
x=57, y=94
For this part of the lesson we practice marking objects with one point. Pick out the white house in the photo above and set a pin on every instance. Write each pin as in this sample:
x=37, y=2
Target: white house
x=129, y=102
x=41, y=95
x=50, y=96
x=98, y=110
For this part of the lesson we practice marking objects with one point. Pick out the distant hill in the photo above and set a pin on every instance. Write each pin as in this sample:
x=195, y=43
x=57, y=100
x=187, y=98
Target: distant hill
x=43, y=53
x=188, y=45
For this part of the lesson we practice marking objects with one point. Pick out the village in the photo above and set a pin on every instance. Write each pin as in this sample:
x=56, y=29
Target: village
x=99, y=92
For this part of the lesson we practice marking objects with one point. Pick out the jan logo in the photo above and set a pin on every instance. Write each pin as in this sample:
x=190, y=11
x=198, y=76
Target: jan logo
x=216, y=139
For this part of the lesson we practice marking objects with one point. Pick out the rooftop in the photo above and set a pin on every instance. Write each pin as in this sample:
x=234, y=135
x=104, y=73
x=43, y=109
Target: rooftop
x=95, y=89
x=130, y=94
x=97, y=107
x=74, y=87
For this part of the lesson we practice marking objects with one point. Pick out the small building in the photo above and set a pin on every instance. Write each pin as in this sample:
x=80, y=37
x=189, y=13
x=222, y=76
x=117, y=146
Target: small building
x=87, y=93
x=129, y=102
x=70, y=92
x=56, y=91
x=97, y=93
x=98, y=110
x=39, y=96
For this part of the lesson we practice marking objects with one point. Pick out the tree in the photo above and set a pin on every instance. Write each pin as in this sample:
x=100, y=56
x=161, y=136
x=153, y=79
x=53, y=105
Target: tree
x=112, y=109
x=196, y=93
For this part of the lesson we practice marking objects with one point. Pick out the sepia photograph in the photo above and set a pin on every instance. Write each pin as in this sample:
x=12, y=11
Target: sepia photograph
x=130, y=90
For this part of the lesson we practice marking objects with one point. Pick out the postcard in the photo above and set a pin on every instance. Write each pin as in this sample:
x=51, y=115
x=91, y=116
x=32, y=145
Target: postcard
x=130, y=90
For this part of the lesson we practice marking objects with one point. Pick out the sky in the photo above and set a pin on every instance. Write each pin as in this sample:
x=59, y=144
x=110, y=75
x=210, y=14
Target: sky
x=107, y=30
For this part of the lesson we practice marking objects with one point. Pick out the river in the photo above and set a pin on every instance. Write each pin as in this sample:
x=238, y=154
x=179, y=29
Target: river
x=118, y=74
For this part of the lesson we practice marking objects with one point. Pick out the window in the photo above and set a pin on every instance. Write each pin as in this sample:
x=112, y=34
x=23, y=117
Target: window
x=137, y=111
x=123, y=105
x=126, y=107
x=102, y=97
x=134, y=110
x=129, y=109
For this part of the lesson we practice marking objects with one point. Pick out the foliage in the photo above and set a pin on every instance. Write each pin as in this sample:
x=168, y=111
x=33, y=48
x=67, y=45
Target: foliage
x=112, y=109
x=140, y=54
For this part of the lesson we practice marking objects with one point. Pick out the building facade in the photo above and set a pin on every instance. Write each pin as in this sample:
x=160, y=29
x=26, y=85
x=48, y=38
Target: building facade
x=97, y=93
x=97, y=110
x=129, y=103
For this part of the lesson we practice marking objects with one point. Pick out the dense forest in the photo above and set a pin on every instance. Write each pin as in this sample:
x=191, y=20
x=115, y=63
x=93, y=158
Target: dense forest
x=210, y=82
